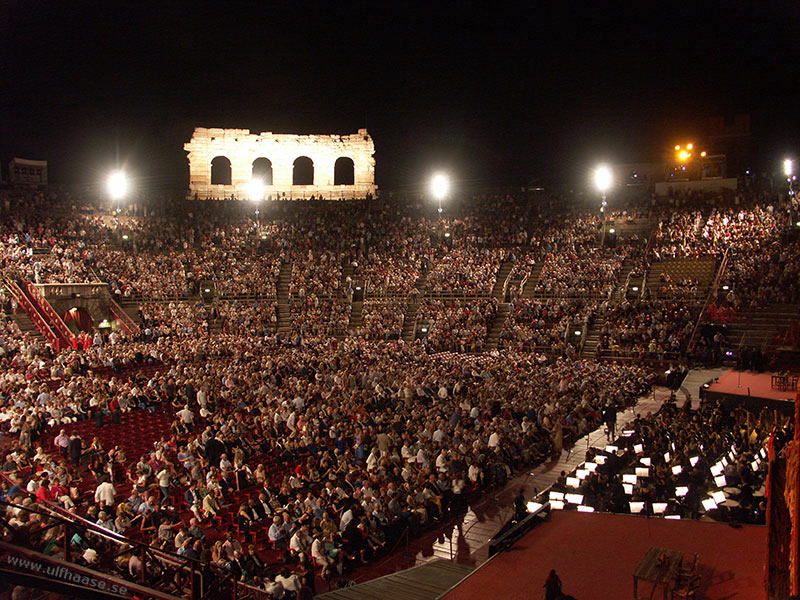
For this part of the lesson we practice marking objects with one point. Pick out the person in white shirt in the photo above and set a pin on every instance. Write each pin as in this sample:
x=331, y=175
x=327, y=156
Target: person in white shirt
x=105, y=493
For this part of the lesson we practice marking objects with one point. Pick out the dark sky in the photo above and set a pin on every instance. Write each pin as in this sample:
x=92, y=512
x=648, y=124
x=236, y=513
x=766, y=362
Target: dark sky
x=495, y=95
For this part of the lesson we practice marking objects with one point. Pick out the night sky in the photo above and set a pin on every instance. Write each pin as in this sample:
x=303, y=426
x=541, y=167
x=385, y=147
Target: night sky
x=496, y=96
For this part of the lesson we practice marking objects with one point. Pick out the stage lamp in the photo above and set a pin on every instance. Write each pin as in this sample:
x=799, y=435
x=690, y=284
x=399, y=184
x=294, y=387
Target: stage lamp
x=690, y=146
x=703, y=153
x=787, y=167
x=255, y=189
x=117, y=185
x=683, y=155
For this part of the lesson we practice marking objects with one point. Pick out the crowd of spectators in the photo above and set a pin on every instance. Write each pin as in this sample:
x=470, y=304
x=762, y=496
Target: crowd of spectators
x=543, y=323
x=456, y=325
x=648, y=328
x=334, y=446
x=382, y=319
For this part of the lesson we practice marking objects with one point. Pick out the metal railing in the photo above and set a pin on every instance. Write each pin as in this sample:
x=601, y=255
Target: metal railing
x=33, y=314
x=55, y=320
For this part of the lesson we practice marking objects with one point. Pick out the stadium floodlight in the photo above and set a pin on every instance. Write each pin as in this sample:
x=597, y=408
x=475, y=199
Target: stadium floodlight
x=440, y=187
x=602, y=179
x=787, y=167
x=117, y=185
x=255, y=189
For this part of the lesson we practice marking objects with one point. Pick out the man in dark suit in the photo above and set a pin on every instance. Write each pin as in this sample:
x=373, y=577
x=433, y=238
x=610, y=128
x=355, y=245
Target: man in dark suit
x=75, y=451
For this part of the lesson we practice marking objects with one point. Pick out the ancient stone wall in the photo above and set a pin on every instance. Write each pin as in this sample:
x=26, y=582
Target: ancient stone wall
x=243, y=148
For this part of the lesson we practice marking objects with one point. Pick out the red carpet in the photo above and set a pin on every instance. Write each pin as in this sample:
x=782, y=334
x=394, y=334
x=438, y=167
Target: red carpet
x=759, y=385
x=595, y=556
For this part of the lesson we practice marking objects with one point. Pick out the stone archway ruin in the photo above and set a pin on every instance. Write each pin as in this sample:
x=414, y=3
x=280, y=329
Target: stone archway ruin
x=280, y=152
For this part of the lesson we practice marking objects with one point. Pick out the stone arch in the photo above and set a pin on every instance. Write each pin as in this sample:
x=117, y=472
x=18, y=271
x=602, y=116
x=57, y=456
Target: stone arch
x=303, y=171
x=344, y=171
x=262, y=169
x=221, y=171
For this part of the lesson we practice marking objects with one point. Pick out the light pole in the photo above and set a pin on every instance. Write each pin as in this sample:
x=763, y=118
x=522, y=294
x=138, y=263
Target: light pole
x=117, y=187
x=440, y=186
x=255, y=192
x=787, y=170
x=602, y=181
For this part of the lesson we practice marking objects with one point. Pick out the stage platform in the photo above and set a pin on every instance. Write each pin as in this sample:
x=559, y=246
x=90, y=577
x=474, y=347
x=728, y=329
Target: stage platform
x=753, y=390
x=596, y=554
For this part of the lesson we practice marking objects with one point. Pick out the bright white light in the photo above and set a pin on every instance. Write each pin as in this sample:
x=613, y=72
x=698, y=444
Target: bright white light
x=533, y=506
x=646, y=461
x=637, y=507
x=585, y=509
x=581, y=473
x=754, y=464
x=556, y=496
x=673, y=517
x=681, y=491
x=573, y=482
x=612, y=230
x=787, y=167
x=591, y=467
x=693, y=460
x=602, y=178
x=719, y=497
x=557, y=505
x=577, y=332
x=676, y=470
x=574, y=498
x=709, y=504
x=117, y=185
x=629, y=478
x=628, y=488
x=720, y=481
x=638, y=448
x=440, y=186
x=717, y=469
x=659, y=508
x=255, y=189
x=666, y=456
x=611, y=449
x=600, y=459
x=642, y=472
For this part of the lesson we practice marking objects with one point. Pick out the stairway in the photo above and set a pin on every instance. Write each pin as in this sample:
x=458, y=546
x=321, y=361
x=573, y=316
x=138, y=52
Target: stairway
x=758, y=328
x=46, y=311
x=356, y=317
x=493, y=335
x=502, y=274
x=622, y=277
x=593, y=337
x=536, y=272
x=412, y=305
x=284, y=311
x=26, y=326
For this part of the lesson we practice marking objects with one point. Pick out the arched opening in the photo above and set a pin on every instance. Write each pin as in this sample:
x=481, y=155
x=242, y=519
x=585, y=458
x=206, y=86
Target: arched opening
x=344, y=171
x=262, y=170
x=78, y=319
x=303, y=172
x=220, y=171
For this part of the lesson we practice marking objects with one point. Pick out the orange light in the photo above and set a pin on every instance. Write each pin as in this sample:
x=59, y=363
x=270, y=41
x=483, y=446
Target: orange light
x=684, y=155
x=690, y=146
x=677, y=147
x=703, y=153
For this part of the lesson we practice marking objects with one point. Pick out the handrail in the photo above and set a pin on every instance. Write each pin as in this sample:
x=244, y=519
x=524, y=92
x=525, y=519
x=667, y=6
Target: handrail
x=127, y=324
x=48, y=310
x=712, y=290
x=67, y=518
x=33, y=314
